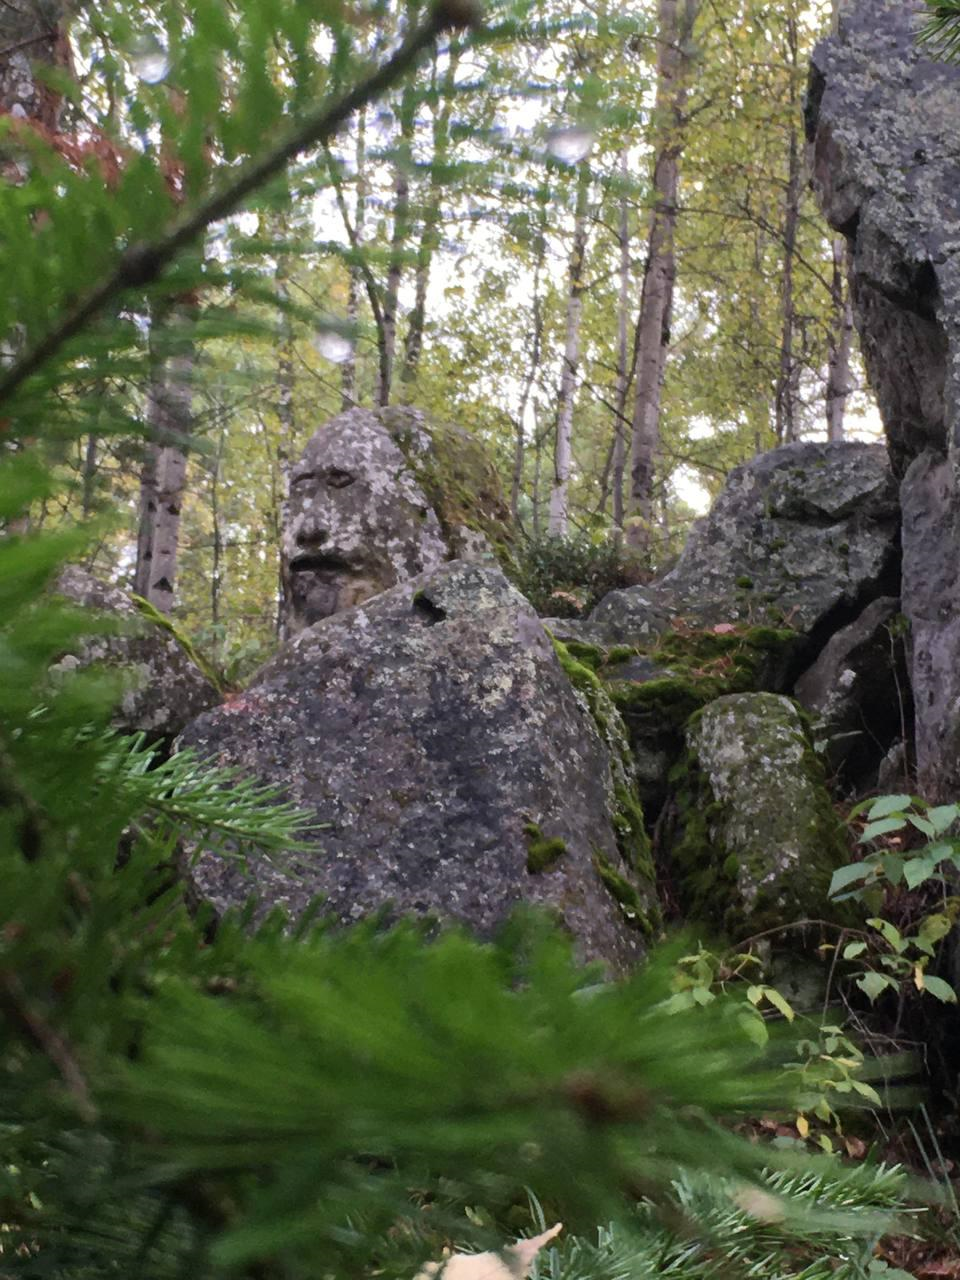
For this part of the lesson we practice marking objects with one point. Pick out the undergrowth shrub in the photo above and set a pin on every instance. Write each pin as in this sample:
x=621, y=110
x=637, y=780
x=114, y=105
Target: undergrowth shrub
x=567, y=577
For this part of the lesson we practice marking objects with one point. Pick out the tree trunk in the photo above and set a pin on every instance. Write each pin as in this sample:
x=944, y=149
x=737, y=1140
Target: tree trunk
x=674, y=62
x=398, y=244
x=286, y=435
x=786, y=424
x=841, y=341
x=623, y=350
x=536, y=357
x=348, y=370
x=430, y=234
x=36, y=36
x=559, y=495
x=164, y=475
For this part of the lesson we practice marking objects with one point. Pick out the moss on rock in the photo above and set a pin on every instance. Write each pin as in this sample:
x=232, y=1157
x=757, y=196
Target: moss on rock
x=542, y=851
x=758, y=836
x=633, y=842
x=698, y=667
x=459, y=478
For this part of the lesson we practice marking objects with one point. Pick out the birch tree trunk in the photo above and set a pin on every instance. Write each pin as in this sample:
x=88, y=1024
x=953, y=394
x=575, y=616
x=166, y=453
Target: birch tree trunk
x=163, y=479
x=563, y=448
x=786, y=424
x=286, y=436
x=623, y=350
x=674, y=62
x=348, y=370
x=841, y=341
x=430, y=233
x=536, y=358
x=399, y=240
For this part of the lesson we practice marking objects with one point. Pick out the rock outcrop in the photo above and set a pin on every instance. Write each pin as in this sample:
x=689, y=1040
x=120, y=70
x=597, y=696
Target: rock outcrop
x=858, y=693
x=758, y=839
x=380, y=496
x=454, y=767
x=883, y=120
x=804, y=535
x=163, y=690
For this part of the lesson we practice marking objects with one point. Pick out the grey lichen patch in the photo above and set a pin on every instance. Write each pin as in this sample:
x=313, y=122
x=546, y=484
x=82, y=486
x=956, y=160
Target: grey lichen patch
x=759, y=838
x=419, y=727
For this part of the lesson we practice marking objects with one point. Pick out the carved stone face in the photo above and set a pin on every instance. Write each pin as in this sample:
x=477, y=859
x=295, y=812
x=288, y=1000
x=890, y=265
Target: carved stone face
x=357, y=521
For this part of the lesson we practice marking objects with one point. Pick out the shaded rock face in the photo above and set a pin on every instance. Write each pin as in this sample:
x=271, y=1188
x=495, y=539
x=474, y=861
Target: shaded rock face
x=163, y=689
x=884, y=125
x=759, y=837
x=380, y=496
x=435, y=733
x=806, y=533
x=858, y=693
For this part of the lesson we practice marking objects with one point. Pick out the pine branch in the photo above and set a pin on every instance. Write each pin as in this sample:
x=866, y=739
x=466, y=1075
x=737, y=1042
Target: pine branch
x=142, y=264
x=190, y=795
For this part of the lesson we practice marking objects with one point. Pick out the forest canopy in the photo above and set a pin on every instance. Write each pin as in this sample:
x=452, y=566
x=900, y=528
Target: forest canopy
x=583, y=235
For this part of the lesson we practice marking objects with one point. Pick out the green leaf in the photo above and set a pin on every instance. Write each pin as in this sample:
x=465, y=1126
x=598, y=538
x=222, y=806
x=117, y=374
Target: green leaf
x=779, y=1002
x=854, y=949
x=892, y=865
x=942, y=990
x=850, y=874
x=890, y=932
x=885, y=805
x=872, y=984
x=867, y=1091
x=943, y=816
x=935, y=927
x=881, y=828
x=922, y=824
x=917, y=870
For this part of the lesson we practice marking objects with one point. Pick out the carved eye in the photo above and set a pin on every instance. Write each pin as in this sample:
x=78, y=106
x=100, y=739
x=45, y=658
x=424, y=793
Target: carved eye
x=337, y=479
x=302, y=478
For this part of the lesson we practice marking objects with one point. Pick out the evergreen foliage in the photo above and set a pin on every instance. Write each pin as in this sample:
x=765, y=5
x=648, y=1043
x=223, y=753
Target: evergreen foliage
x=180, y=1099
x=942, y=30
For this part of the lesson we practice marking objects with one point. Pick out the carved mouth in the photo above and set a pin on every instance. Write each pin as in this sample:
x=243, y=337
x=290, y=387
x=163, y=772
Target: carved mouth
x=321, y=563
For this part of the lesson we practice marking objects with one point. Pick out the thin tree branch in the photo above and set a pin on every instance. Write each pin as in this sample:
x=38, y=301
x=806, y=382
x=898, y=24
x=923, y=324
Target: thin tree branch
x=142, y=264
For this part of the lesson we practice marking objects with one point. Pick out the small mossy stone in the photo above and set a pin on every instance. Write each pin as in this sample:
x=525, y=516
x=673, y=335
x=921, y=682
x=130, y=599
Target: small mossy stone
x=758, y=835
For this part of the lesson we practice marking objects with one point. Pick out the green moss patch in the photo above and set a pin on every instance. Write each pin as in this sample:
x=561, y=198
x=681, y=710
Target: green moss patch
x=461, y=481
x=763, y=856
x=699, y=666
x=625, y=894
x=542, y=851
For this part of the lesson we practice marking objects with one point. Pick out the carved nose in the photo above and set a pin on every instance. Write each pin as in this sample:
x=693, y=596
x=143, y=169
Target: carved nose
x=307, y=536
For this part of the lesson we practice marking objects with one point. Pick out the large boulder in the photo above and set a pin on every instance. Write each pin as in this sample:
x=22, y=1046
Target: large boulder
x=453, y=766
x=858, y=694
x=883, y=120
x=163, y=689
x=380, y=496
x=758, y=836
x=805, y=534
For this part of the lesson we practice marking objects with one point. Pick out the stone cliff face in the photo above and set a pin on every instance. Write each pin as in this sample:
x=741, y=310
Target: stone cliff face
x=883, y=121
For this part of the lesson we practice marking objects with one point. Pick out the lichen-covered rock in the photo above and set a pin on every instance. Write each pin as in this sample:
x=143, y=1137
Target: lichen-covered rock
x=434, y=733
x=163, y=689
x=884, y=123
x=759, y=838
x=380, y=496
x=931, y=604
x=857, y=692
x=884, y=126
x=806, y=534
